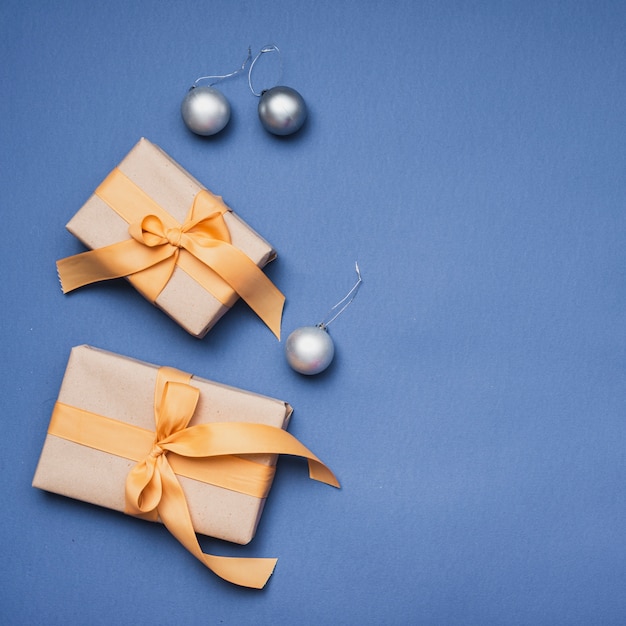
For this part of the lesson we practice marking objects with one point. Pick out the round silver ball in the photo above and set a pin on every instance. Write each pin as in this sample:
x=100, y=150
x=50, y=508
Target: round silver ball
x=282, y=110
x=309, y=350
x=205, y=110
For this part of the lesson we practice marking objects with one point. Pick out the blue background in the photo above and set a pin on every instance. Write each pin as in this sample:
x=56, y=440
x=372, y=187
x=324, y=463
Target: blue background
x=471, y=157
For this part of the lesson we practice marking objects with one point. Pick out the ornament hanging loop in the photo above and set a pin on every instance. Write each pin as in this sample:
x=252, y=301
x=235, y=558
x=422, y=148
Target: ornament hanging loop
x=264, y=50
x=219, y=77
x=344, y=303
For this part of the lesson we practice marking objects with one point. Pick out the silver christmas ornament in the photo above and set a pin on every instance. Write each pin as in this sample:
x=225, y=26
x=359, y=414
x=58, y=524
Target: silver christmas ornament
x=310, y=349
x=282, y=110
x=205, y=110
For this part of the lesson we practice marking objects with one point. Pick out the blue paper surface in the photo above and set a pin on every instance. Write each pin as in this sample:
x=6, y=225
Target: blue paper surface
x=470, y=156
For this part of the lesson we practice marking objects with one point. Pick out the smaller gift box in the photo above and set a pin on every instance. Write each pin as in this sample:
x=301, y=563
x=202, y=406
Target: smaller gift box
x=167, y=446
x=176, y=242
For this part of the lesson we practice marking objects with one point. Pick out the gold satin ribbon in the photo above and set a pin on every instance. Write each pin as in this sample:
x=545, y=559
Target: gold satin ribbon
x=201, y=246
x=152, y=488
x=131, y=442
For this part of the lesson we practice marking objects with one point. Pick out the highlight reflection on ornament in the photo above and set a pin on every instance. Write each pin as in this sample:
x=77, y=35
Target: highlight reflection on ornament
x=205, y=110
x=310, y=349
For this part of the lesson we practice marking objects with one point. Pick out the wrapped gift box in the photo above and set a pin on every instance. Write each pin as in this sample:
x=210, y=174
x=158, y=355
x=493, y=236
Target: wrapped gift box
x=122, y=389
x=195, y=299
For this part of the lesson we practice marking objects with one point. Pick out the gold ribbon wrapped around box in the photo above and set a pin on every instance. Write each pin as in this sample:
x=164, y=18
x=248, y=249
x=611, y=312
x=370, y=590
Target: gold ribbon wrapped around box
x=177, y=243
x=166, y=446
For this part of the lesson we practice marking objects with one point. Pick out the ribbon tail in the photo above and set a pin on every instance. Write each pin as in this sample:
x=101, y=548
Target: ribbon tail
x=245, y=572
x=240, y=438
x=246, y=278
x=124, y=258
x=173, y=511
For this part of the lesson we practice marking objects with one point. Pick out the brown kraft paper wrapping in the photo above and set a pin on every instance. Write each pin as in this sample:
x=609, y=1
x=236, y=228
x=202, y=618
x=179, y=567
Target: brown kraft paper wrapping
x=97, y=225
x=123, y=389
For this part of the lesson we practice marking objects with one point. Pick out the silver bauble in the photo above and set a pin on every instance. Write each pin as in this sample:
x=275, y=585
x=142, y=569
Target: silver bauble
x=309, y=350
x=282, y=110
x=205, y=110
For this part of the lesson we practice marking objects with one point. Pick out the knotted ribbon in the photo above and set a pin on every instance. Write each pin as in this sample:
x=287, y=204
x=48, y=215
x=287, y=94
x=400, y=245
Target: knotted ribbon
x=201, y=246
x=152, y=487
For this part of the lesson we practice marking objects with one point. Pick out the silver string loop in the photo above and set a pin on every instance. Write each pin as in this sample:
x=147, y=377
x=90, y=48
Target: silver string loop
x=264, y=50
x=221, y=77
x=346, y=301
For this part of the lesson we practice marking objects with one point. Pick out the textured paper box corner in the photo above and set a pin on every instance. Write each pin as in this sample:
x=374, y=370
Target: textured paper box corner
x=122, y=388
x=183, y=299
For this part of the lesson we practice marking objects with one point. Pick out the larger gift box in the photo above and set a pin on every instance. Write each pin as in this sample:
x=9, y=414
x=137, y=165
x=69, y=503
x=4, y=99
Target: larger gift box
x=153, y=223
x=159, y=443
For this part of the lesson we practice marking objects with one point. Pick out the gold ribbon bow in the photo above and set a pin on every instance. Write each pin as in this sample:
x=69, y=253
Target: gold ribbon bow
x=152, y=487
x=201, y=246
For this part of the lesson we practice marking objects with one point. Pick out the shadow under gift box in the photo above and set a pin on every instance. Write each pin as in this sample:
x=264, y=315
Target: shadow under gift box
x=148, y=169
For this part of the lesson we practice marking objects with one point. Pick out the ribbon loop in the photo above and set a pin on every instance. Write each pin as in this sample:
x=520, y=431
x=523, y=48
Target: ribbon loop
x=148, y=231
x=144, y=488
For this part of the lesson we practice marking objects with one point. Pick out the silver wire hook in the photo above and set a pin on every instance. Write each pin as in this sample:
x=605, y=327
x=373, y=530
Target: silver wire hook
x=223, y=76
x=264, y=50
x=347, y=299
